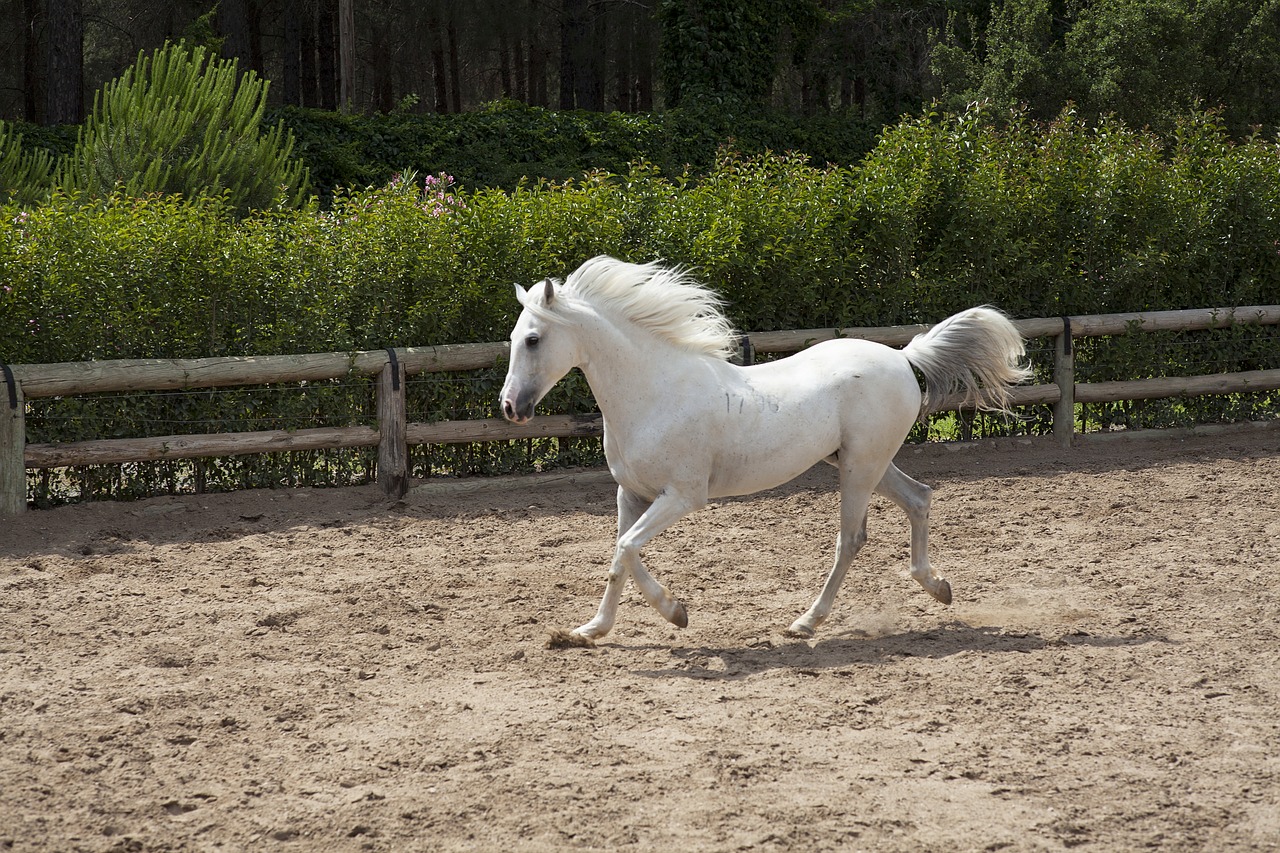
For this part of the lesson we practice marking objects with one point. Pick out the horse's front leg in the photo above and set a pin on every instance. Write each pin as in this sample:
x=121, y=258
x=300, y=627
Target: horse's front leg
x=638, y=522
x=630, y=508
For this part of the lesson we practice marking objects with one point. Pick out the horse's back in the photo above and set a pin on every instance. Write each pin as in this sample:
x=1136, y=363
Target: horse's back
x=859, y=376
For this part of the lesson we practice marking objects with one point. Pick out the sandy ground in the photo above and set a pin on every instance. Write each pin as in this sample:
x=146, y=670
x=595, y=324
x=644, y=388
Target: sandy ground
x=322, y=670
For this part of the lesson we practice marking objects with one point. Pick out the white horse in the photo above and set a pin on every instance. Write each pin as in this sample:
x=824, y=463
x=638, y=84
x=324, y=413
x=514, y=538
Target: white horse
x=682, y=424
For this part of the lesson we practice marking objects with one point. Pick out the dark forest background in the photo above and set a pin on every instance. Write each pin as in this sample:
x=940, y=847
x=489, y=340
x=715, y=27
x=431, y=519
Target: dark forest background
x=1143, y=60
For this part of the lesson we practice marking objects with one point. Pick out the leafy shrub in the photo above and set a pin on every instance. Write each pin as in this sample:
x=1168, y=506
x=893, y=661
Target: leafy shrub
x=947, y=211
x=508, y=142
x=1066, y=218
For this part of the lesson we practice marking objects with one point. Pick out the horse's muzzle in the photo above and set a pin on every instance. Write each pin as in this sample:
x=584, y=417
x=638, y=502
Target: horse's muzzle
x=515, y=411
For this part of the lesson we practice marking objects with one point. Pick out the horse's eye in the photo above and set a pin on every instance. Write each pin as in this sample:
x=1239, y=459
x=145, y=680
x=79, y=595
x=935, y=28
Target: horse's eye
x=532, y=341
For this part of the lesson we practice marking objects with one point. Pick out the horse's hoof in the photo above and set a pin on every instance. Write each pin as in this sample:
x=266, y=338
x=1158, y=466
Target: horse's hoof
x=562, y=639
x=943, y=592
x=799, y=632
x=680, y=618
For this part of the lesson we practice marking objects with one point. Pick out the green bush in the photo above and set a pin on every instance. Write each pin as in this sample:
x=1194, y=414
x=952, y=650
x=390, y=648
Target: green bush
x=508, y=142
x=944, y=213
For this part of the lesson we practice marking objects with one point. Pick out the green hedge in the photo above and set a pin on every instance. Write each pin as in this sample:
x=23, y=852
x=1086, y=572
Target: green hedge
x=507, y=142
x=946, y=212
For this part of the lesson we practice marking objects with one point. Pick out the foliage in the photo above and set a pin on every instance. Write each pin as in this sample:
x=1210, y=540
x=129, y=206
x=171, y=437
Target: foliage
x=1146, y=61
x=24, y=174
x=507, y=142
x=724, y=51
x=181, y=121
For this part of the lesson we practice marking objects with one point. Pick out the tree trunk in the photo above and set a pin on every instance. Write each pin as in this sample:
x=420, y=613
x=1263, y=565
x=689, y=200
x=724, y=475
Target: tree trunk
x=309, y=73
x=539, y=95
x=573, y=33
x=589, y=78
x=327, y=54
x=438, y=70
x=539, y=58
x=642, y=33
x=233, y=26
x=346, y=54
x=521, y=70
x=504, y=63
x=455, y=72
x=254, y=18
x=624, y=92
x=64, y=63
x=291, y=70
x=31, y=88
x=381, y=61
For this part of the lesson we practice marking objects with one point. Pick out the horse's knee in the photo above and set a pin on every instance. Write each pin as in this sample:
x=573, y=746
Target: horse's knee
x=623, y=556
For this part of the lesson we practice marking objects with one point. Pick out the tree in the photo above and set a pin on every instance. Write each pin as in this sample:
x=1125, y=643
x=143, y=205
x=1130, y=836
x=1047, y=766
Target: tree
x=718, y=51
x=31, y=81
x=1152, y=61
x=1147, y=61
x=236, y=28
x=1017, y=59
x=182, y=121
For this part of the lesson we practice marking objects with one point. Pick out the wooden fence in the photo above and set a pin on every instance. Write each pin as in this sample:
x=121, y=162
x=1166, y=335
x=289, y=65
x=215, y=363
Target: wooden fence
x=394, y=432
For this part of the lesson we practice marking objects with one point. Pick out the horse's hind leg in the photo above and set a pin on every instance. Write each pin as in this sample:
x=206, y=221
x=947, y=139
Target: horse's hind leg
x=855, y=495
x=914, y=498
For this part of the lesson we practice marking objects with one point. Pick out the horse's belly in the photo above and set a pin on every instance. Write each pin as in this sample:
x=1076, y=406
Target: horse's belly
x=761, y=453
x=756, y=472
x=755, y=448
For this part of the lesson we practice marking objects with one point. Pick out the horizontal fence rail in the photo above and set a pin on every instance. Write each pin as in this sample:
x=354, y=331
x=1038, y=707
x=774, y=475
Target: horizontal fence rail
x=394, y=433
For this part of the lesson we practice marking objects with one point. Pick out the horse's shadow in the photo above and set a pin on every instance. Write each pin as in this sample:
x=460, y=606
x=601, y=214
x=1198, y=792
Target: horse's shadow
x=854, y=648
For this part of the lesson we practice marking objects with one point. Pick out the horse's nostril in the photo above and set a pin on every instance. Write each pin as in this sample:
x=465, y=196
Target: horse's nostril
x=508, y=410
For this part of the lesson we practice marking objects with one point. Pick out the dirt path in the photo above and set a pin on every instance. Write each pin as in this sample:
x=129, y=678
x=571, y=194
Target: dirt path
x=318, y=670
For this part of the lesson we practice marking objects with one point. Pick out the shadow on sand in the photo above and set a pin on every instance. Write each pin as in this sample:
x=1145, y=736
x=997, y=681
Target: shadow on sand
x=856, y=648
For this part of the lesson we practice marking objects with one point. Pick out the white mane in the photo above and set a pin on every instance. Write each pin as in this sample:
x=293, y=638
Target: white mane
x=660, y=299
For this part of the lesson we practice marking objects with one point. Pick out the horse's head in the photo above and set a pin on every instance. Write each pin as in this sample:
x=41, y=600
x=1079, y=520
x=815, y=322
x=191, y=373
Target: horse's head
x=543, y=350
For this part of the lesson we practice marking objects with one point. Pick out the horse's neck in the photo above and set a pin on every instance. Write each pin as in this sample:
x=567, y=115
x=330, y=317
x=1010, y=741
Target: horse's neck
x=630, y=370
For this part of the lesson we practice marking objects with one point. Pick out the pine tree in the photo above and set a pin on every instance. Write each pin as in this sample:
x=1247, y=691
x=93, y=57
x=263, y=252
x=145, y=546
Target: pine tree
x=183, y=121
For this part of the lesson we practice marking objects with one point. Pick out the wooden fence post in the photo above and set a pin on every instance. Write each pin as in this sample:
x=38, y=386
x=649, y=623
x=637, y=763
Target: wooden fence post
x=13, y=447
x=393, y=450
x=1064, y=376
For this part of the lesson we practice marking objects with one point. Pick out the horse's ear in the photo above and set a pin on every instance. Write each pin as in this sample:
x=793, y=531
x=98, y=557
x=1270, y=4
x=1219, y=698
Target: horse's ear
x=548, y=293
x=521, y=294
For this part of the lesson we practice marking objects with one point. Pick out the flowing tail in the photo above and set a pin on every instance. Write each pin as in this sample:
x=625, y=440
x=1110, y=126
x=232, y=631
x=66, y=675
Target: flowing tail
x=978, y=352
